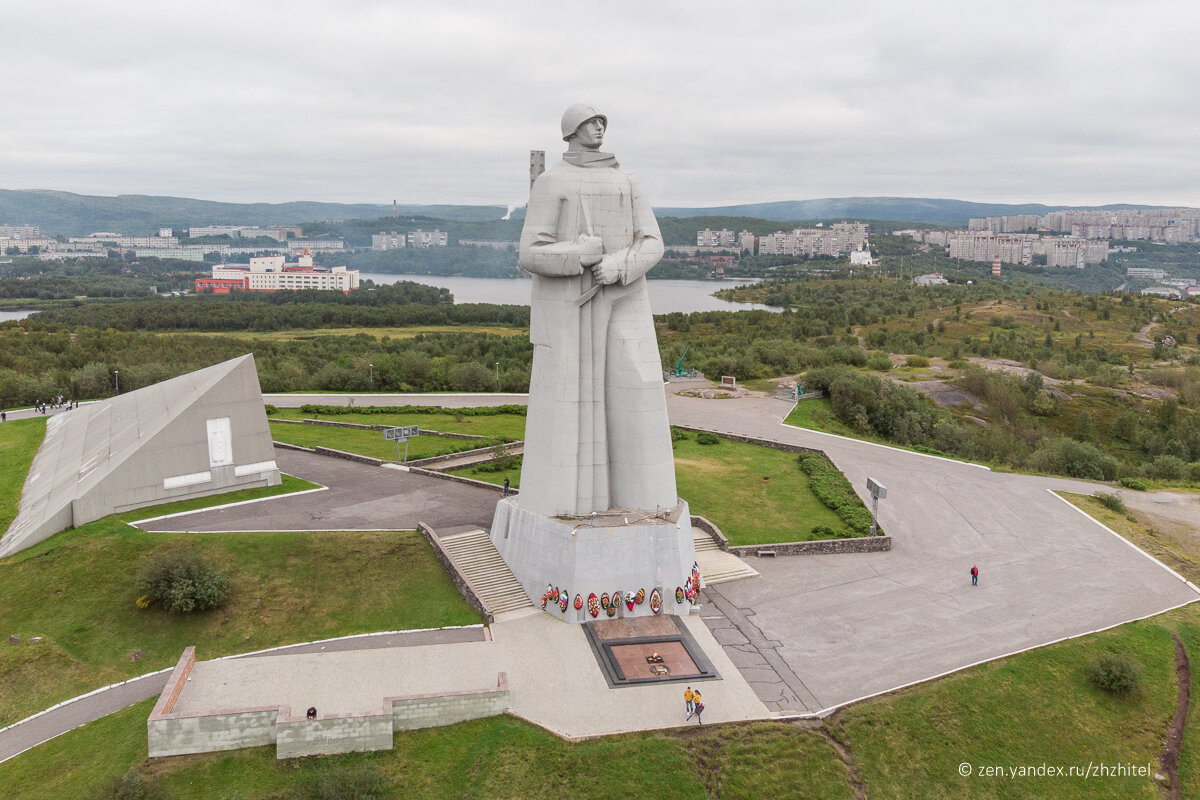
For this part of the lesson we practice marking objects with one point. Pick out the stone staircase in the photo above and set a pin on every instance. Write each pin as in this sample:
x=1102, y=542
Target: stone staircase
x=477, y=561
x=717, y=566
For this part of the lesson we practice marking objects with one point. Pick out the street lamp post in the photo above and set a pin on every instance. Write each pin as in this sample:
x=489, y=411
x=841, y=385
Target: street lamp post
x=371, y=378
x=497, y=376
x=116, y=382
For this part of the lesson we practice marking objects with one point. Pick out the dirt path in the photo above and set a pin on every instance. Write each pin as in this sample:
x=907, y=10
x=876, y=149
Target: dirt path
x=830, y=729
x=1174, y=742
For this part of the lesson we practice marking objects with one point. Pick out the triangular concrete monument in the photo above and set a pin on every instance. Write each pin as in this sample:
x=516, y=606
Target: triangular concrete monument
x=198, y=434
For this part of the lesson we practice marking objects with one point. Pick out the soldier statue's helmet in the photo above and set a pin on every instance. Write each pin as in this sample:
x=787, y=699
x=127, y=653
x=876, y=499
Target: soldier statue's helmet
x=578, y=114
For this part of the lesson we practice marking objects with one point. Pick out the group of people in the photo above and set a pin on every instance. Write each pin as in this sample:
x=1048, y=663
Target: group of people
x=691, y=701
x=55, y=403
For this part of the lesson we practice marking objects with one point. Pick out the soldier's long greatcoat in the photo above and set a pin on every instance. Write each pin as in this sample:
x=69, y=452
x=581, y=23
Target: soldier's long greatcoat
x=597, y=436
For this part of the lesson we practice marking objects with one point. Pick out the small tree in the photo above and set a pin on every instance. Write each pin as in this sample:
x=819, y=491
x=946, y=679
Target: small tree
x=180, y=581
x=1116, y=673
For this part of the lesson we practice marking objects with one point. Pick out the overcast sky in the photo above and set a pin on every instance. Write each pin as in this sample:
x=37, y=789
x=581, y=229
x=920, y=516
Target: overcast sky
x=709, y=103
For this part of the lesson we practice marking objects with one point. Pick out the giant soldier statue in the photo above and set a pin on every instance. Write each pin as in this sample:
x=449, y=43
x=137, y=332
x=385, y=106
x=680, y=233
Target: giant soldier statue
x=597, y=500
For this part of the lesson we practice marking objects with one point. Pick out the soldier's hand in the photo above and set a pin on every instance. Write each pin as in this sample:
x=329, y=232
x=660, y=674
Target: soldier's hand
x=591, y=249
x=607, y=271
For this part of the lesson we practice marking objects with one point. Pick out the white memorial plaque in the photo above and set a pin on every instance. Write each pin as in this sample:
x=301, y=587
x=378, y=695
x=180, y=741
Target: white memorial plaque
x=220, y=442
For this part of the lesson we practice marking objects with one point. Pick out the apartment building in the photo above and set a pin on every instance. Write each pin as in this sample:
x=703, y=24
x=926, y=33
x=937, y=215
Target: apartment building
x=433, y=238
x=388, y=241
x=272, y=274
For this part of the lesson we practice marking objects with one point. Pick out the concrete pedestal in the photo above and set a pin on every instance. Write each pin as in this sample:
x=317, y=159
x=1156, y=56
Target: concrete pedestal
x=610, y=553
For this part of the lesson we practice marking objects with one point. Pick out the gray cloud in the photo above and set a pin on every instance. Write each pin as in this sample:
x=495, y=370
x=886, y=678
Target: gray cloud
x=1078, y=102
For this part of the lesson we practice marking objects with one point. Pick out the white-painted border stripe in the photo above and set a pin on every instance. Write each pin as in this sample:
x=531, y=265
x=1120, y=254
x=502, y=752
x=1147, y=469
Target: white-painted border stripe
x=221, y=658
x=228, y=505
x=785, y=424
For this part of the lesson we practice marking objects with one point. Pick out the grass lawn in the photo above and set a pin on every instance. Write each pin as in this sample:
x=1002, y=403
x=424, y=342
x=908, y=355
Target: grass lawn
x=491, y=426
x=19, y=441
x=483, y=473
x=497, y=428
x=1032, y=709
x=369, y=443
x=817, y=415
x=76, y=590
x=724, y=482
x=500, y=757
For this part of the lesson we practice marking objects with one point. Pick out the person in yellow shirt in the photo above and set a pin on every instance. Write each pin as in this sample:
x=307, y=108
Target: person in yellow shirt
x=697, y=706
x=688, y=696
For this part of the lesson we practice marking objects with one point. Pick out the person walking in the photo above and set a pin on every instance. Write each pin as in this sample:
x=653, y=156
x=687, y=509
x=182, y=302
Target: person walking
x=506, y=486
x=3, y=416
x=687, y=700
x=974, y=575
x=699, y=708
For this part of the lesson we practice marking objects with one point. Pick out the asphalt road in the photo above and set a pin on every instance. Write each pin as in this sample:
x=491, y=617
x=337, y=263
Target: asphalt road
x=359, y=497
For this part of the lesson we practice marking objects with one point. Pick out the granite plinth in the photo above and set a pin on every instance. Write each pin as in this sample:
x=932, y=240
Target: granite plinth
x=611, y=553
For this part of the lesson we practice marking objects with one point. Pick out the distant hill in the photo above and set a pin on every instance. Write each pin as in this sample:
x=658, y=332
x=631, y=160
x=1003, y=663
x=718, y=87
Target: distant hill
x=928, y=211
x=80, y=214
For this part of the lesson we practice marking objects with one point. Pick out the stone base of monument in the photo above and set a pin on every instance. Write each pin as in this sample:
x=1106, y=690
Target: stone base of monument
x=604, y=564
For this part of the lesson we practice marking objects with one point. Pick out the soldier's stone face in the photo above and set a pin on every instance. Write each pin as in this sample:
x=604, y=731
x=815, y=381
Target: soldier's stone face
x=591, y=133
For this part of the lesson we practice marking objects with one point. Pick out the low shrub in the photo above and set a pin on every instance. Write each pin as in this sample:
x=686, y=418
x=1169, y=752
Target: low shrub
x=916, y=361
x=1165, y=467
x=338, y=782
x=1192, y=473
x=1110, y=501
x=129, y=786
x=704, y=437
x=178, y=580
x=822, y=532
x=835, y=492
x=1134, y=483
x=678, y=435
x=879, y=362
x=1115, y=673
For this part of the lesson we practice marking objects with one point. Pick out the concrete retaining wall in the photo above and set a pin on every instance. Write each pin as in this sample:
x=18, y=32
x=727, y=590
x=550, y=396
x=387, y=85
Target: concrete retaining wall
x=431, y=473
x=432, y=710
x=821, y=547
x=734, y=437
x=329, y=451
x=287, y=446
x=339, y=733
x=505, y=449
x=177, y=735
x=712, y=530
x=170, y=734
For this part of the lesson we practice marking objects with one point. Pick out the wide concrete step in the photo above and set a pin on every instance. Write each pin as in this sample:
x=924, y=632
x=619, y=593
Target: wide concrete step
x=475, y=558
x=717, y=566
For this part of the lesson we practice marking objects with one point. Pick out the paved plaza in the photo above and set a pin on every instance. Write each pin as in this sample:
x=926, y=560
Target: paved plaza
x=552, y=674
x=817, y=632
